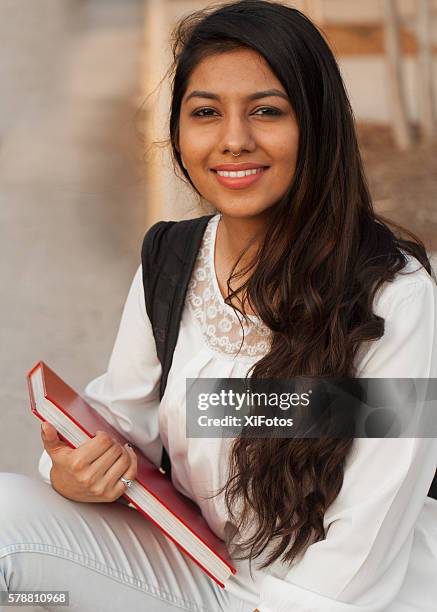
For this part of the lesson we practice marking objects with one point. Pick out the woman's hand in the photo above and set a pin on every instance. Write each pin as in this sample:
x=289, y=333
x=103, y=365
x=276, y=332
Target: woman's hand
x=91, y=472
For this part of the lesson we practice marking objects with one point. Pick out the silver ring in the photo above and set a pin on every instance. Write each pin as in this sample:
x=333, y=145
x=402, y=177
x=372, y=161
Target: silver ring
x=126, y=481
x=236, y=154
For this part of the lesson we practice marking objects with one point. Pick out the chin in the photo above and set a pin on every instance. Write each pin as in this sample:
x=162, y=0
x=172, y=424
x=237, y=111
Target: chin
x=240, y=210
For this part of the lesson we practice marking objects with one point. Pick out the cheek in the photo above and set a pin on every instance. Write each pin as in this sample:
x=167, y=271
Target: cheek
x=287, y=156
x=194, y=144
x=281, y=144
x=195, y=158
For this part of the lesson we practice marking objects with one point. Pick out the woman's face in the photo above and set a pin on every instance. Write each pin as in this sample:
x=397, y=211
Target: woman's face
x=229, y=107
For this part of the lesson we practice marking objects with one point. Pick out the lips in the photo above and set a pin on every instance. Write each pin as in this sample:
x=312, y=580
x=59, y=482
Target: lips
x=240, y=182
x=240, y=166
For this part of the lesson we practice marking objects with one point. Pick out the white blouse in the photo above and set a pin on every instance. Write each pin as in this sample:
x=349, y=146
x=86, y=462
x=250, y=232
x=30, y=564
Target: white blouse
x=380, y=552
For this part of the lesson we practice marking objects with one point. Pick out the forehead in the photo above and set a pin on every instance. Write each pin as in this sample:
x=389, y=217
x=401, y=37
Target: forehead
x=240, y=71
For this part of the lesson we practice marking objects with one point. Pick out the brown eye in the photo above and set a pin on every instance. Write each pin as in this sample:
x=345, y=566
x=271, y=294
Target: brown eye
x=202, y=110
x=270, y=111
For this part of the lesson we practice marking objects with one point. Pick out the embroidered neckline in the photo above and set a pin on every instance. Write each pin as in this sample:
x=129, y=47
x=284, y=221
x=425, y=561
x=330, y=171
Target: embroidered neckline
x=220, y=324
x=212, y=242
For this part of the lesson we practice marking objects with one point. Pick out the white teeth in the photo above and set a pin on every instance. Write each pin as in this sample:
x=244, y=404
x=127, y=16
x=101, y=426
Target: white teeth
x=240, y=172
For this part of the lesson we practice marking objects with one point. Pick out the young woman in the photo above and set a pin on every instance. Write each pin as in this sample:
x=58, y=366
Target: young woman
x=295, y=275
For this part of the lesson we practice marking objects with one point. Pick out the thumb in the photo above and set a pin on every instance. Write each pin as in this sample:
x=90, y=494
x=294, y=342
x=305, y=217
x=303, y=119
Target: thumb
x=50, y=438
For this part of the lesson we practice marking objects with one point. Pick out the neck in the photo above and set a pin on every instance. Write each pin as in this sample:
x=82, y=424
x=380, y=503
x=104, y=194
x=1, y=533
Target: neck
x=236, y=233
x=233, y=236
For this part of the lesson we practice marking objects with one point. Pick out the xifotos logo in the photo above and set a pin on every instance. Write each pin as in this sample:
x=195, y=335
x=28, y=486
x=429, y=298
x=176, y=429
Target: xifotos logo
x=228, y=397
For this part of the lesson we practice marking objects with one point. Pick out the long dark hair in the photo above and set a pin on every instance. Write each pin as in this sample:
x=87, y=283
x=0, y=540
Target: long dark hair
x=314, y=283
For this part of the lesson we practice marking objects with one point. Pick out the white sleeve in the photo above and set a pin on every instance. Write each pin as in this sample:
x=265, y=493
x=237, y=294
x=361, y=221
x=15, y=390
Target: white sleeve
x=44, y=467
x=127, y=394
x=361, y=564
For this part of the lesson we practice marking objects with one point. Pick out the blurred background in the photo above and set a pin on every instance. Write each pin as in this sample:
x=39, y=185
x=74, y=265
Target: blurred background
x=82, y=174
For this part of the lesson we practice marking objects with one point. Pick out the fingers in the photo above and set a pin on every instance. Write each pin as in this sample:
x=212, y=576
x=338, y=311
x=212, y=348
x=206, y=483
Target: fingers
x=120, y=469
x=94, y=448
x=132, y=470
x=50, y=438
x=102, y=464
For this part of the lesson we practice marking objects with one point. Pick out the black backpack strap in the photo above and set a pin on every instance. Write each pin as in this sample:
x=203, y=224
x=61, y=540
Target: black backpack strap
x=168, y=255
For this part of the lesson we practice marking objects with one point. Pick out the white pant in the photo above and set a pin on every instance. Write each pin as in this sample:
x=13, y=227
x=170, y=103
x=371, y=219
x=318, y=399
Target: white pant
x=107, y=555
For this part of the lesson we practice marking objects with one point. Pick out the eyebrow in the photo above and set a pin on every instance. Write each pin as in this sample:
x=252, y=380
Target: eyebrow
x=255, y=96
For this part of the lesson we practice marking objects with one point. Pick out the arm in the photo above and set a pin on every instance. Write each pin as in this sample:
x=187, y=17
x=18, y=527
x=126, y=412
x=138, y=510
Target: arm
x=361, y=564
x=127, y=394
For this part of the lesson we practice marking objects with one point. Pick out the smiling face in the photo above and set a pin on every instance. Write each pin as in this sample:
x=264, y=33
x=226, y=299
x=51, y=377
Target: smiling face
x=235, y=104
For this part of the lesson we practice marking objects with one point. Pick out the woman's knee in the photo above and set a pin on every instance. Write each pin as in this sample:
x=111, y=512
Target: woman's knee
x=15, y=488
x=21, y=499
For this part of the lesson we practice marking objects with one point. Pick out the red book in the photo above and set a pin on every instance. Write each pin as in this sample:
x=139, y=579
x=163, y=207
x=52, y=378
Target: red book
x=178, y=517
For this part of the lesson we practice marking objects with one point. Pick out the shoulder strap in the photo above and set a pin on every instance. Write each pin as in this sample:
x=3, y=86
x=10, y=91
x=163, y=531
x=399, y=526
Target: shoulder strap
x=168, y=256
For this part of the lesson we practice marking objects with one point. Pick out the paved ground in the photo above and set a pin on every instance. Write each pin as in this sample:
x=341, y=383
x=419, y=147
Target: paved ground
x=72, y=212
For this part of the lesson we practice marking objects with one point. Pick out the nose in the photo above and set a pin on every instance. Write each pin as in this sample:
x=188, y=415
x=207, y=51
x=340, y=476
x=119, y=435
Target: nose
x=236, y=134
